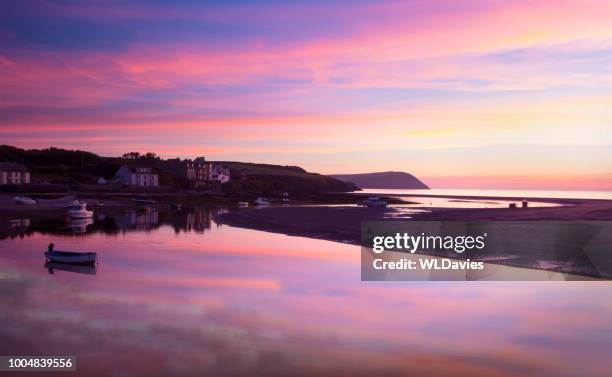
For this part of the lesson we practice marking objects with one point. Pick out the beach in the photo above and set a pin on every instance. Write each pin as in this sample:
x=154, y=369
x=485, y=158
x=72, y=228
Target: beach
x=343, y=224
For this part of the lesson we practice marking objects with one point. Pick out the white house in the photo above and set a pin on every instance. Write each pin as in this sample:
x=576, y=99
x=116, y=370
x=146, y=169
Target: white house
x=220, y=173
x=136, y=176
x=13, y=174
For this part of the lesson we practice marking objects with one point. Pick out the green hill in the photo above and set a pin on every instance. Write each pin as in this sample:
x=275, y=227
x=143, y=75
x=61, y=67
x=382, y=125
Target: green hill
x=287, y=178
x=54, y=165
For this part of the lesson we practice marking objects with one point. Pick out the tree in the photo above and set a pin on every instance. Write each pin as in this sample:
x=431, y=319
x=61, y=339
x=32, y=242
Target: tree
x=131, y=155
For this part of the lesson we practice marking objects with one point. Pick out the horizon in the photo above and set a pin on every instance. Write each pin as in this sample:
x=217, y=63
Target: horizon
x=448, y=182
x=516, y=96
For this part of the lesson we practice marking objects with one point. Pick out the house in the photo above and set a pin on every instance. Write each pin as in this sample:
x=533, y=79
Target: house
x=198, y=170
x=191, y=172
x=220, y=173
x=13, y=174
x=137, y=176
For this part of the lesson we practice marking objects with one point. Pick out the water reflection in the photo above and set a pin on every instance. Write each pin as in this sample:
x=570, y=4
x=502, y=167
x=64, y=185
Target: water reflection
x=76, y=268
x=168, y=300
x=195, y=219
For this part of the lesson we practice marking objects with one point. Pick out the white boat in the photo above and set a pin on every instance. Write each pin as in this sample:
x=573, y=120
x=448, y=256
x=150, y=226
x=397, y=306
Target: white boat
x=262, y=201
x=375, y=201
x=24, y=200
x=243, y=204
x=78, y=210
x=71, y=257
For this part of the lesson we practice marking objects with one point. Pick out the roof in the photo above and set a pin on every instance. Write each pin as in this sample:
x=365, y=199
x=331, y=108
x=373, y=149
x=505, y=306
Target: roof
x=134, y=169
x=11, y=166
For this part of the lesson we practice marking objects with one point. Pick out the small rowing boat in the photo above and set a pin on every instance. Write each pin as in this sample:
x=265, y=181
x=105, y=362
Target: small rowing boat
x=262, y=202
x=374, y=201
x=70, y=256
x=24, y=200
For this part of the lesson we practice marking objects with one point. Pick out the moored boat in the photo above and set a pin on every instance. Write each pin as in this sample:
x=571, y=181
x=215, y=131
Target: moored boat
x=140, y=199
x=24, y=200
x=78, y=210
x=375, y=201
x=70, y=256
x=262, y=201
x=243, y=204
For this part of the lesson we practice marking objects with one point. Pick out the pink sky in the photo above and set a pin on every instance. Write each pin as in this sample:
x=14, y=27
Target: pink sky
x=476, y=94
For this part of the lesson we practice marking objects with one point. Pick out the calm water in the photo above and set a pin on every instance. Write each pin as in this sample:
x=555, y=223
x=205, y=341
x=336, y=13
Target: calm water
x=500, y=193
x=175, y=294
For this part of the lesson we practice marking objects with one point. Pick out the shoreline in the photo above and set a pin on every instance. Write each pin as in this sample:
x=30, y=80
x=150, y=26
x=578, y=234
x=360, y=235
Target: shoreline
x=343, y=223
x=338, y=222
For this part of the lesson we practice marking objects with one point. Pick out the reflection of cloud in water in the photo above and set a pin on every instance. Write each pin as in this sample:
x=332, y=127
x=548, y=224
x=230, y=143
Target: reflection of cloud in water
x=235, y=302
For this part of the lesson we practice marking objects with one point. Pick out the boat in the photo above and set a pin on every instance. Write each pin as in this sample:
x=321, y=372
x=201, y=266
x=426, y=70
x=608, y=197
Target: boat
x=70, y=256
x=78, y=210
x=24, y=200
x=176, y=206
x=139, y=199
x=262, y=201
x=243, y=204
x=375, y=201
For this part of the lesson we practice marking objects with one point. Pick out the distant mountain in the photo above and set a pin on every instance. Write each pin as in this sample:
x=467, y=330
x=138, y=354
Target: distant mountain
x=383, y=180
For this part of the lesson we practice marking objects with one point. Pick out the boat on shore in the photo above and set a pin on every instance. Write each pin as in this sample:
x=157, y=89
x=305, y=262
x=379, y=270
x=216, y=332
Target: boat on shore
x=78, y=210
x=262, y=201
x=374, y=201
x=139, y=199
x=24, y=200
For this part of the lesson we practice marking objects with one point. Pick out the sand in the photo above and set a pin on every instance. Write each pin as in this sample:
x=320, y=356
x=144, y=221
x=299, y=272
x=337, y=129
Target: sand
x=343, y=224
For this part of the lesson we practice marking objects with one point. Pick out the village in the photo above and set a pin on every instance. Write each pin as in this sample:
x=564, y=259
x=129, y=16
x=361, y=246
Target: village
x=198, y=173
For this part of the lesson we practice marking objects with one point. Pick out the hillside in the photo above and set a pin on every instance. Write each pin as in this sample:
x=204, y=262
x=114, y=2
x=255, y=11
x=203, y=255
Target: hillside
x=288, y=178
x=383, y=180
x=54, y=165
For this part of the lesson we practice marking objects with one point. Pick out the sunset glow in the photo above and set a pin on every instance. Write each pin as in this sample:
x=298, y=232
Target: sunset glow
x=490, y=94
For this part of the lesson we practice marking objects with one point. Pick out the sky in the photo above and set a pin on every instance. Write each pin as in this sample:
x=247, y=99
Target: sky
x=472, y=94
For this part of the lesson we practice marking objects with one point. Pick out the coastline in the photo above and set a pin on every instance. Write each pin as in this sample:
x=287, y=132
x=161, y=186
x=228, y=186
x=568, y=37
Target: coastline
x=335, y=220
x=343, y=223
